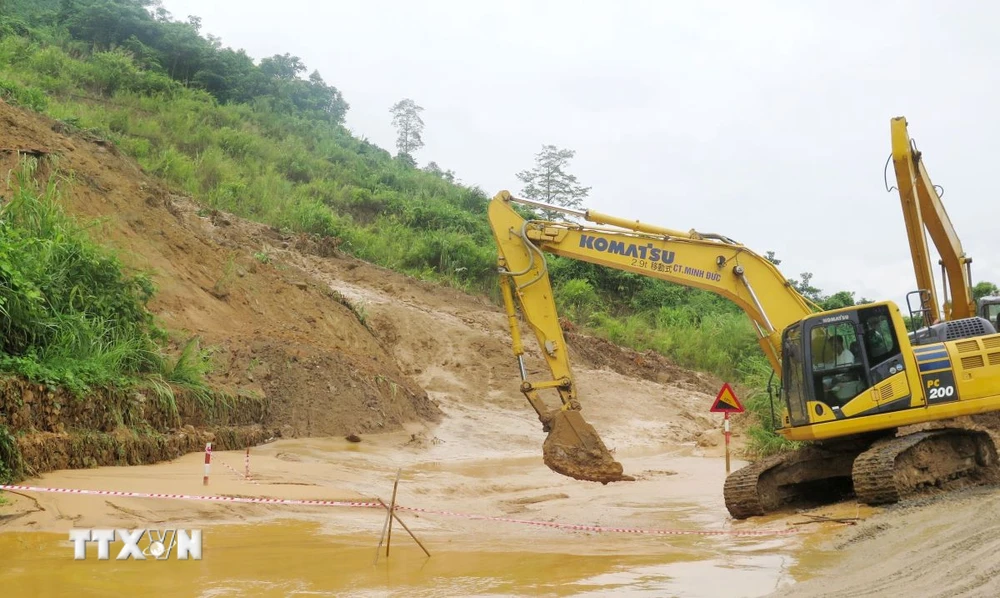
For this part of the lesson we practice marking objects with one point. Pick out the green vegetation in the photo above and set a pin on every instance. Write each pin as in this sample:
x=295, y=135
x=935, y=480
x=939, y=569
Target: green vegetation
x=984, y=289
x=69, y=315
x=11, y=463
x=550, y=183
x=282, y=169
x=259, y=140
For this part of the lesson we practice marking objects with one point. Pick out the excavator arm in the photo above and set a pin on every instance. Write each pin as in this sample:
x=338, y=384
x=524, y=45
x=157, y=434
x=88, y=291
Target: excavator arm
x=707, y=261
x=923, y=209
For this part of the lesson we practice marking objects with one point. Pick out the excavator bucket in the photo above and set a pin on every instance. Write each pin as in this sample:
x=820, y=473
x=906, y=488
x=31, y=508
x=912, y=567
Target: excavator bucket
x=574, y=449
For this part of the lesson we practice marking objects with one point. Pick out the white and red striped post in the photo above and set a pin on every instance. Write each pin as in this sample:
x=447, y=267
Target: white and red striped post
x=247, y=473
x=726, y=421
x=208, y=461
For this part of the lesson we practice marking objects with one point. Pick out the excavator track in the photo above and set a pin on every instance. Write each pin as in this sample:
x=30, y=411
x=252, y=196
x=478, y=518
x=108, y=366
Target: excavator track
x=814, y=473
x=896, y=467
x=740, y=491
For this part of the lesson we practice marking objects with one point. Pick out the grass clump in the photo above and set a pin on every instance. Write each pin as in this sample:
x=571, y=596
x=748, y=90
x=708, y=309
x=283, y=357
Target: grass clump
x=70, y=315
x=11, y=464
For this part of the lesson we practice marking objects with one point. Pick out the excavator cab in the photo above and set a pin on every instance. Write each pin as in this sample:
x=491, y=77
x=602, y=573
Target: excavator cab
x=830, y=360
x=854, y=362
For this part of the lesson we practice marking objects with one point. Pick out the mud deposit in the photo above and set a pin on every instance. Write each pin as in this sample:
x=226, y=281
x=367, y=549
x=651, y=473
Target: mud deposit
x=573, y=448
x=267, y=550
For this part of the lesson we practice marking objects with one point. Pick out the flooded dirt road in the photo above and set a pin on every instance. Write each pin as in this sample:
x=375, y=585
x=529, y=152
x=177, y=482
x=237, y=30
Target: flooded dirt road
x=271, y=550
x=483, y=458
x=289, y=558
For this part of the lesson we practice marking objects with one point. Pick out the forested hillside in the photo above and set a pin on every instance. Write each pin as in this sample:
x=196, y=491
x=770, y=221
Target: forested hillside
x=264, y=139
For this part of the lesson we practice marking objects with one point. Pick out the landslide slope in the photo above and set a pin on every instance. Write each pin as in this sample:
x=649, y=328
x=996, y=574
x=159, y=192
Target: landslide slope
x=276, y=330
x=337, y=345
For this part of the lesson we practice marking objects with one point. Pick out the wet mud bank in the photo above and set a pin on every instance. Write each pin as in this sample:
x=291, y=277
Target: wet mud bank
x=43, y=429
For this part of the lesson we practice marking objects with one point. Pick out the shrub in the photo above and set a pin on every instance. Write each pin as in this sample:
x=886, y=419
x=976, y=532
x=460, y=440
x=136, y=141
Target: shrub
x=70, y=315
x=29, y=97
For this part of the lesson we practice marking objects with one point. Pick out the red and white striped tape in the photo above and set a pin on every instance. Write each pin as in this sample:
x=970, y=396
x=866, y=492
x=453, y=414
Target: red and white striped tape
x=605, y=529
x=364, y=504
x=244, y=476
x=239, y=499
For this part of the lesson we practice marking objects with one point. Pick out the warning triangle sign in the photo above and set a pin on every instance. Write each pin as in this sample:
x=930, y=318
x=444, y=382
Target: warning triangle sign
x=726, y=401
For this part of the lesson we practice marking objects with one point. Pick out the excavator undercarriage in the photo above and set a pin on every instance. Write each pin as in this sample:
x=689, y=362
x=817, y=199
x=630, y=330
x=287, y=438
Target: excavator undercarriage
x=877, y=469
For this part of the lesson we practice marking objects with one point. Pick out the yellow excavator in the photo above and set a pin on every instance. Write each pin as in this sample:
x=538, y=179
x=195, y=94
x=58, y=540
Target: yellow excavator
x=851, y=378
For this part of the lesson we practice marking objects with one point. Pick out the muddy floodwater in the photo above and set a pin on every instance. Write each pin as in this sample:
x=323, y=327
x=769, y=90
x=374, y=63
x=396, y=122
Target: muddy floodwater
x=272, y=550
x=297, y=558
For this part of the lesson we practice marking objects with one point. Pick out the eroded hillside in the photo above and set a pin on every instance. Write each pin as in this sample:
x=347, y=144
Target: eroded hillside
x=277, y=330
x=334, y=345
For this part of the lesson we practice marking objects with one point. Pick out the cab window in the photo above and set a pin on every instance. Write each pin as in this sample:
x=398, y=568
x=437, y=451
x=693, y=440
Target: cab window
x=838, y=363
x=794, y=388
x=880, y=338
x=834, y=345
x=992, y=313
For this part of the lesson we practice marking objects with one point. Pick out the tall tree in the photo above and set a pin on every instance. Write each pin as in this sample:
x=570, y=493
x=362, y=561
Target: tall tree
x=838, y=300
x=433, y=168
x=409, y=127
x=282, y=67
x=805, y=287
x=984, y=289
x=549, y=182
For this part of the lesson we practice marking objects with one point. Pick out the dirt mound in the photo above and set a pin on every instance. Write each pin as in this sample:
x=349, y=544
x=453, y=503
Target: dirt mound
x=573, y=448
x=277, y=331
x=649, y=365
x=891, y=552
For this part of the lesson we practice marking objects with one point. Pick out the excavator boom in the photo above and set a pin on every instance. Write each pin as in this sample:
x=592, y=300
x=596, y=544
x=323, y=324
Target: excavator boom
x=706, y=261
x=923, y=210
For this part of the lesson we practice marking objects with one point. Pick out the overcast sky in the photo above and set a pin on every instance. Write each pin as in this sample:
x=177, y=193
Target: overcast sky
x=764, y=121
